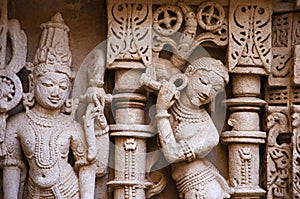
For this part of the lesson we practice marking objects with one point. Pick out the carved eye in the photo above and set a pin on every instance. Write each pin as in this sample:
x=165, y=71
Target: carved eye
x=47, y=84
x=63, y=87
x=204, y=80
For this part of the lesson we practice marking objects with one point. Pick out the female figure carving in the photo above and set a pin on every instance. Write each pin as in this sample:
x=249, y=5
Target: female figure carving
x=187, y=133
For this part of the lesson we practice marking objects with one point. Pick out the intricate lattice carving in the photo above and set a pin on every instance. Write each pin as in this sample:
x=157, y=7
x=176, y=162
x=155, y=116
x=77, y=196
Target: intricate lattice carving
x=250, y=36
x=278, y=96
x=278, y=154
x=129, y=31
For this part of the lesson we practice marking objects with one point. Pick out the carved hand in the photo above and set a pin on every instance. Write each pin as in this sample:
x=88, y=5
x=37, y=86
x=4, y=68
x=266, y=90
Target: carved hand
x=165, y=96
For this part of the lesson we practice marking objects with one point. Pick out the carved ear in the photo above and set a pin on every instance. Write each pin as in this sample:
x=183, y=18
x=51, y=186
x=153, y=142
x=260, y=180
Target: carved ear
x=189, y=70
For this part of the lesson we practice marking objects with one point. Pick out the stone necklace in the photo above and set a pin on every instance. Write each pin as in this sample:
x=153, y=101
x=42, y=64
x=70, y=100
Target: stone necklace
x=40, y=122
x=184, y=115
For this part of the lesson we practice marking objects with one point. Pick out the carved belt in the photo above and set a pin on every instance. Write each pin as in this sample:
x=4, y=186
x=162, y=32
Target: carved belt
x=68, y=188
x=195, y=181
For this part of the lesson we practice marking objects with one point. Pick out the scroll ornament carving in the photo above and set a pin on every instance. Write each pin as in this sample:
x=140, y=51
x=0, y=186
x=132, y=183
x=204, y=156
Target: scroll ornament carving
x=44, y=133
x=250, y=36
x=186, y=131
x=129, y=35
x=278, y=157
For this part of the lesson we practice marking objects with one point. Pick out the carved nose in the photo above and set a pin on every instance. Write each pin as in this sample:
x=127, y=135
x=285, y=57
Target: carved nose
x=55, y=91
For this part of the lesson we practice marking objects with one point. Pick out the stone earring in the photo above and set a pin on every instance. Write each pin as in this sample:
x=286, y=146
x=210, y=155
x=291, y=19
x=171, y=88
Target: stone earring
x=68, y=107
x=28, y=100
x=180, y=81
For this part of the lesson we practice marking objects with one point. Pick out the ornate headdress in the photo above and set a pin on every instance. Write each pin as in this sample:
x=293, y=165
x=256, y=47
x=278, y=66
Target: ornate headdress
x=211, y=64
x=53, y=53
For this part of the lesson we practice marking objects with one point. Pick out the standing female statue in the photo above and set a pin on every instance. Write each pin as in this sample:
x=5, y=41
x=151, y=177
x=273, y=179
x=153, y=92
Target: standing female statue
x=187, y=133
x=44, y=134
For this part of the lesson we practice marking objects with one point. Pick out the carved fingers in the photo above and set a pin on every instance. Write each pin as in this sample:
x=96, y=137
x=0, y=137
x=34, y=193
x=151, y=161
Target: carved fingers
x=165, y=96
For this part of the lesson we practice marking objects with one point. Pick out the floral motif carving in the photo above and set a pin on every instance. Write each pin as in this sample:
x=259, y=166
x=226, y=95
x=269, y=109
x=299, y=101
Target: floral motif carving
x=10, y=64
x=130, y=158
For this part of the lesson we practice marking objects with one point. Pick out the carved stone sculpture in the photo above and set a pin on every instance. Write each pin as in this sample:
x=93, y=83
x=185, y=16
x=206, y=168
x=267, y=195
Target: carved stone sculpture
x=187, y=133
x=44, y=133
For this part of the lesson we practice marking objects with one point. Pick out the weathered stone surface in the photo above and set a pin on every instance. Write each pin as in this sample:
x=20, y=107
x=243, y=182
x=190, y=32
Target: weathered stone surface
x=148, y=111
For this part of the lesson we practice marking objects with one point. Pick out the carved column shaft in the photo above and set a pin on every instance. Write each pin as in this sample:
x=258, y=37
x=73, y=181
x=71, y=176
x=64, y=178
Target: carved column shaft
x=245, y=136
x=249, y=57
x=129, y=133
x=129, y=53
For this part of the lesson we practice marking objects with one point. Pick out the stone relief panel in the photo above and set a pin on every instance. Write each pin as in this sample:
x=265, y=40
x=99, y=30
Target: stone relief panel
x=138, y=32
x=187, y=133
x=250, y=38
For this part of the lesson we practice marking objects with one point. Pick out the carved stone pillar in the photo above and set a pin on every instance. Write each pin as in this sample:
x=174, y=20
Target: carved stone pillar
x=249, y=57
x=129, y=53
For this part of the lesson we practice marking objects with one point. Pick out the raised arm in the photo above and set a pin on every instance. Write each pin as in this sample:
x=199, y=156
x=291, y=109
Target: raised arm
x=199, y=141
x=172, y=150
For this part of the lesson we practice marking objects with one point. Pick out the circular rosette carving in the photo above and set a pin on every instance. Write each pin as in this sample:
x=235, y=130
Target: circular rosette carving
x=10, y=90
x=167, y=20
x=210, y=15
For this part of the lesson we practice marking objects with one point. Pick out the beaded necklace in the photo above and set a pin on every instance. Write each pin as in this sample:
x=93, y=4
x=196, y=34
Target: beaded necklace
x=57, y=124
x=184, y=115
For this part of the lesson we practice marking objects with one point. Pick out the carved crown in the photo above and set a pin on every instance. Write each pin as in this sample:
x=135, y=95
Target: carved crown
x=53, y=51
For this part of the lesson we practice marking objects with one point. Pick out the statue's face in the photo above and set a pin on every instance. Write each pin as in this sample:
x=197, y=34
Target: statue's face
x=52, y=90
x=200, y=87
